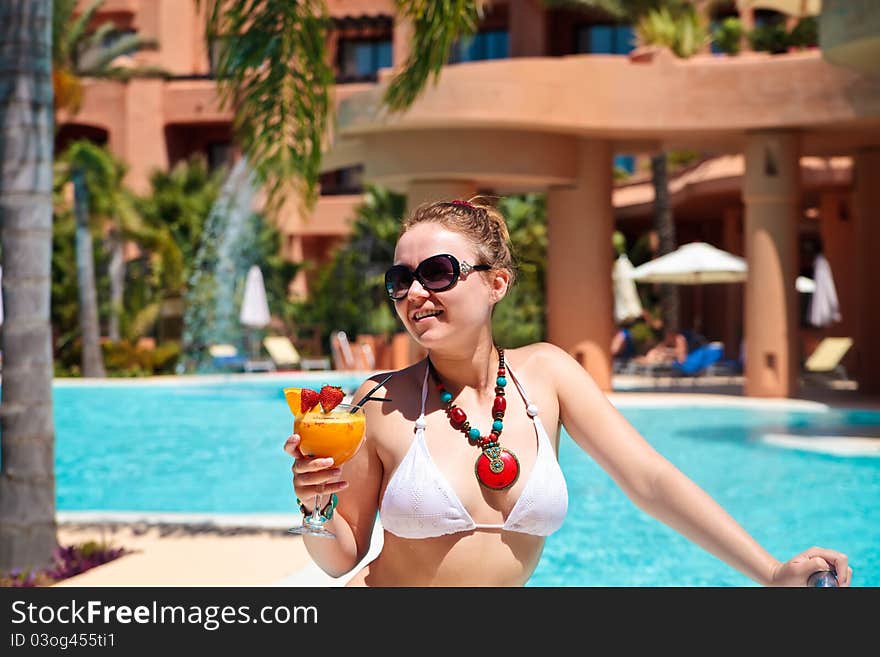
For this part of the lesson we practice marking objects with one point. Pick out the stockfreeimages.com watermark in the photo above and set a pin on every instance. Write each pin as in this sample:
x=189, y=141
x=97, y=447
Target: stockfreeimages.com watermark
x=210, y=617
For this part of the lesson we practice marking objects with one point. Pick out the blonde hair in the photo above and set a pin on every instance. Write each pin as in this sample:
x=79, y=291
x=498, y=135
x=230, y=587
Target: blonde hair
x=477, y=220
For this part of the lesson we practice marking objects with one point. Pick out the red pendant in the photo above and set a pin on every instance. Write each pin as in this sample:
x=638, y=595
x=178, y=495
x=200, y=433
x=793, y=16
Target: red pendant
x=499, y=473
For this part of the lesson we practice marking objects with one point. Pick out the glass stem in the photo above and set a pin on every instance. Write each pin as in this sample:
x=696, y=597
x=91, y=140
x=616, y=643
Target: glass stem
x=316, y=512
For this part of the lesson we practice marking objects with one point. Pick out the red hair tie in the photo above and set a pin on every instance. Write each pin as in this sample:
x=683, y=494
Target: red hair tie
x=466, y=204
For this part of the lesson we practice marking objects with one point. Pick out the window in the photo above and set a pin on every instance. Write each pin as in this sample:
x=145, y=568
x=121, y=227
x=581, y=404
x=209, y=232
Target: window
x=605, y=39
x=218, y=154
x=492, y=44
x=342, y=181
x=361, y=59
x=625, y=162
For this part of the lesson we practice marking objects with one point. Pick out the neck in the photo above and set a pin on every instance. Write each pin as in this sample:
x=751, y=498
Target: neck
x=476, y=369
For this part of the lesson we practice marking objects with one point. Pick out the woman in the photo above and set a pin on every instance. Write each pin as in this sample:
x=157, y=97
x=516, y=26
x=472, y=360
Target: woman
x=449, y=521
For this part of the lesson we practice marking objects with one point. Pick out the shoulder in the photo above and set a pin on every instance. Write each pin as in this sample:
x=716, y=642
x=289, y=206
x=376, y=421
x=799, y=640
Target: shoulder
x=539, y=354
x=546, y=363
x=399, y=390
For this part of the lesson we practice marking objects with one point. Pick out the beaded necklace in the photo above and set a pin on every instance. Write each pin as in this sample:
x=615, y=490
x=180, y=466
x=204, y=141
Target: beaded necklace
x=496, y=467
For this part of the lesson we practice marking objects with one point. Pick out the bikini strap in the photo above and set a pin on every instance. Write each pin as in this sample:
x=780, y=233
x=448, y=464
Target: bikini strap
x=421, y=423
x=531, y=408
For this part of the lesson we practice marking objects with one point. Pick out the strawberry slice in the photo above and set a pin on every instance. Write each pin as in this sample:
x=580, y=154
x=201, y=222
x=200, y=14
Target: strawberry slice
x=330, y=397
x=308, y=400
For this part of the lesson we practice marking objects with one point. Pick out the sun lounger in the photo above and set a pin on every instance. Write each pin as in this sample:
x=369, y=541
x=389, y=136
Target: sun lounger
x=282, y=352
x=226, y=357
x=825, y=361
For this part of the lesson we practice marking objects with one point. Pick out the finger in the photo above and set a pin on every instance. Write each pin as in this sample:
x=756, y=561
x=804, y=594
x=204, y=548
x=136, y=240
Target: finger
x=317, y=478
x=836, y=560
x=308, y=493
x=304, y=464
x=291, y=444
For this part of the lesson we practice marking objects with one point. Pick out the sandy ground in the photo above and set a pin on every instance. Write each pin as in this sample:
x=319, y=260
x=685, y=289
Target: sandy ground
x=182, y=555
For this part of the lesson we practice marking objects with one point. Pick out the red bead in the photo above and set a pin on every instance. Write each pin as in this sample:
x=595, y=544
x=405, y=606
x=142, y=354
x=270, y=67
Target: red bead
x=500, y=405
x=486, y=440
x=457, y=417
x=501, y=371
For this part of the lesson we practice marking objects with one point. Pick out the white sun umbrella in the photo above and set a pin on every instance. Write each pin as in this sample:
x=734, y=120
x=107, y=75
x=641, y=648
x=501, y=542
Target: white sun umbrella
x=254, y=305
x=627, y=304
x=696, y=263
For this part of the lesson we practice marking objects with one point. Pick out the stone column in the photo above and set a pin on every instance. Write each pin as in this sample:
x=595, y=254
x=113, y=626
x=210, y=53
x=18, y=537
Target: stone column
x=580, y=305
x=401, y=41
x=145, y=145
x=732, y=242
x=771, y=193
x=866, y=208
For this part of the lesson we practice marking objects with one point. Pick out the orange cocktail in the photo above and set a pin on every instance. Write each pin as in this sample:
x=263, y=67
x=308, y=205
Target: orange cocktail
x=337, y=434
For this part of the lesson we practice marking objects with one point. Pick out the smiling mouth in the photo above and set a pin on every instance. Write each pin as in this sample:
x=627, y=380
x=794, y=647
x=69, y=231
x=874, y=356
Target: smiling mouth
x=418, y=316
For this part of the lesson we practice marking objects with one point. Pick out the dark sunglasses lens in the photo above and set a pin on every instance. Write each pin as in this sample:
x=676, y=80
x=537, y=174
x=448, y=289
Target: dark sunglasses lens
x=437, y=272
x=397, y=281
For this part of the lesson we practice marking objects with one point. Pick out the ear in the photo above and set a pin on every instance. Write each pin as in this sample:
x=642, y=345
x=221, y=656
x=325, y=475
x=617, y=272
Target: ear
x=500, y=283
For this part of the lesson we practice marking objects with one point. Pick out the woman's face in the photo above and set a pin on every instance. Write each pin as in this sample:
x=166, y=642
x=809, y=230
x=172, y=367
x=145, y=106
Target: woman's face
x=432, y=318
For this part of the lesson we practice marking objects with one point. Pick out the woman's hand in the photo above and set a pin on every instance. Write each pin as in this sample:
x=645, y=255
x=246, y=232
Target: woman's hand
x=796, y=571
x=312, y=476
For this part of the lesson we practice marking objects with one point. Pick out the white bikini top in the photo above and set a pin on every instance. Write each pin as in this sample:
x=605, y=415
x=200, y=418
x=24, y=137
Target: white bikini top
x=420, y=503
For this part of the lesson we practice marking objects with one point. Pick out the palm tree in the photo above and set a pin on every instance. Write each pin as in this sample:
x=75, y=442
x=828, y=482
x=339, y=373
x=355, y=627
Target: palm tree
x=27, y=479
x=680, y=29
x=78, y=53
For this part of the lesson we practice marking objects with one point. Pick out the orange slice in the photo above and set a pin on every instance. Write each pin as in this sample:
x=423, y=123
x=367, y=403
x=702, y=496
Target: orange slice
x=294, y=401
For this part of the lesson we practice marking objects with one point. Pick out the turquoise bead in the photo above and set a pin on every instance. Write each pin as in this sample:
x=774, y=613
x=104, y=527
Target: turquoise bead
x=474, y=433
x=446, y=397
x=501, y=381
x=497, y=425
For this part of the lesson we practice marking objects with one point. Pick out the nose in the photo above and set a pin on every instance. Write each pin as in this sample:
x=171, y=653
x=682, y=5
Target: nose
x=416, y=291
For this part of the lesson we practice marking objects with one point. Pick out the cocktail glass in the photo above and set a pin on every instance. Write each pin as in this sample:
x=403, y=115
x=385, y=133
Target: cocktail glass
x=337, y=435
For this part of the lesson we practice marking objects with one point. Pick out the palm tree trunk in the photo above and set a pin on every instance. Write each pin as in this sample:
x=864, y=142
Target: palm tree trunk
x=664, y=224
x=117, y=283
x=92, y=361
x=27, y=476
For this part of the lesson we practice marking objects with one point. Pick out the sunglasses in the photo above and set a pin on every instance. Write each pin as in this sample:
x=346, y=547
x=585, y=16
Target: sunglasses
x=437, y=274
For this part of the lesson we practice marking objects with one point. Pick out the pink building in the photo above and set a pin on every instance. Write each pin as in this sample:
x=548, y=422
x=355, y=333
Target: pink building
x=545, y=100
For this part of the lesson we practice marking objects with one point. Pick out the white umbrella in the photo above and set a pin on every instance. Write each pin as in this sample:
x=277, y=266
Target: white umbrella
x=254, y=306
x=627, y=304
x=695, y=263
x=791, y=7
x=824, y=308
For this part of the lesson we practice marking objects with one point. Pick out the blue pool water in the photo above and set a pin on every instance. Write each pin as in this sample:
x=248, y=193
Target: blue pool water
x=217, y=447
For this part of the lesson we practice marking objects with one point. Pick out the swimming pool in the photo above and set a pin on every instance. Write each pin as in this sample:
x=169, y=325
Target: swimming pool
x=216, y=447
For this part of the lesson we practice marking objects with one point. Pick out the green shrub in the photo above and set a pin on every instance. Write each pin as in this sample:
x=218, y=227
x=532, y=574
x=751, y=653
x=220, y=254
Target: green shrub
x=728, y=36
x=771, y=38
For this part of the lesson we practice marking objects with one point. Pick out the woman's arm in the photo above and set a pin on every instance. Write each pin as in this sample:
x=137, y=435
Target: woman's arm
x=657, y=487
x=357, y=485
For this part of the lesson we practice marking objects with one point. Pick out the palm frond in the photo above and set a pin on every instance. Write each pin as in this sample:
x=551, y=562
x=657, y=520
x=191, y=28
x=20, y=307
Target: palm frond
x=62, y=12
x=437, y=25
x=76, y=30
x=124, y=45
x=273, y=71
